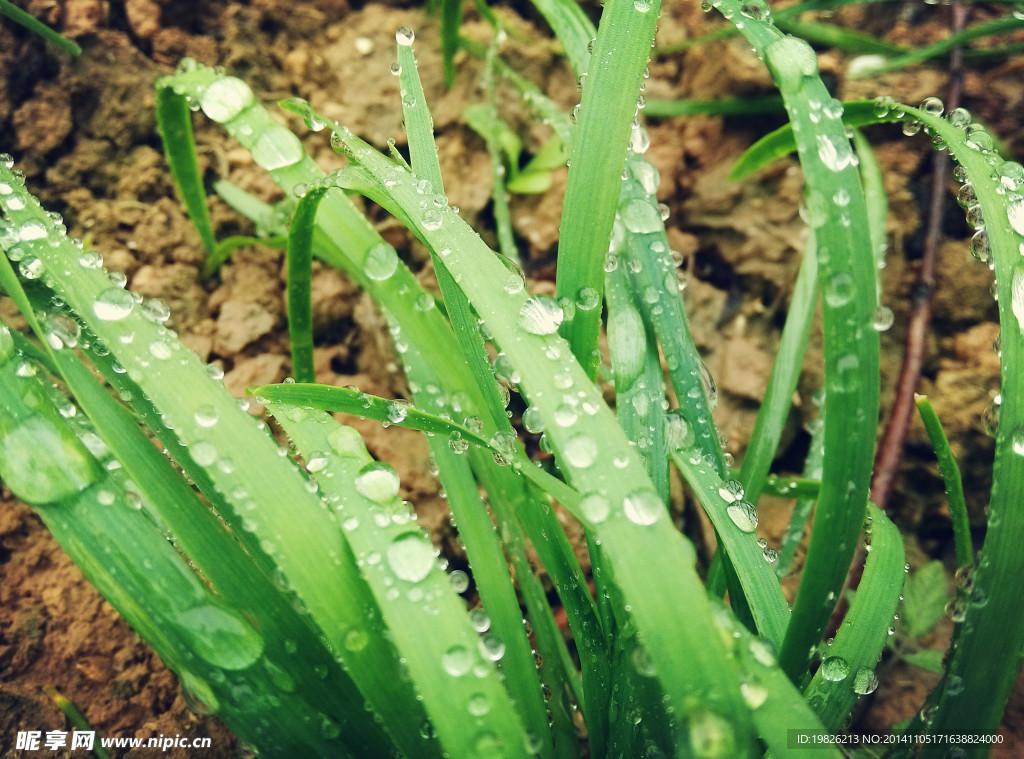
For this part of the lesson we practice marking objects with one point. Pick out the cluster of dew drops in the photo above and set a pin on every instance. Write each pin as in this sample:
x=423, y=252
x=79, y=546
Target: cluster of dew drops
x=1008, y=177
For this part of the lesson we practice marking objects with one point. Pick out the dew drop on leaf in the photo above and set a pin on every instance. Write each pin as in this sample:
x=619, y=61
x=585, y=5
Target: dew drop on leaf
x=377, y=482
x=595, y=507
x=643, y=507
x=834, y=668
x=743, y=515
x=225, y=98
x=540, y=315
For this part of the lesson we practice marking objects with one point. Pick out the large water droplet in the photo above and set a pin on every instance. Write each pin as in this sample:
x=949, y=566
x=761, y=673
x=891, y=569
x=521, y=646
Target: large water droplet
x=377, y=482
x=225, y=98
x=42, y=462
x=643, y=507
x=581, y=451
x=835, y=152
x=381, y=262
x=411, y=556
x=865, y=681
x=457, y=661
x=222, y=638
x=744, y=515
x=540, y=315
x=405, y=36
x=1015, y=214
x=835, y=668
x=1017, y=296
x=595, y=507
x=113, y=304
x=840, y=289
x=640, y=216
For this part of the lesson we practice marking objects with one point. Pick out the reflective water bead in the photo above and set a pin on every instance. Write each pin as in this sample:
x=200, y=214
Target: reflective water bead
x=835, y=668
x=865, y=681
x=581, y=451
x=411, y=556
x=1015, y=215
x=540, y=315
x=932, y=105
x=405, y=36
x=276, y=148
x=743, y=514
x=959, y=117
x=980, y=247
x=731, y=491
x=377, y=482
x=113, y=304
x=840, y=289
x=643, y=507
x=883, y=318
x=381, y=262
x=225, y=98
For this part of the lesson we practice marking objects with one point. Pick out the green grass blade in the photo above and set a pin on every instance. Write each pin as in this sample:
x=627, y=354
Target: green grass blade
x=34, y=25
x=847, y=669
x=983, y=29
x=441, y=651
x=780, y=142
x=232, y=452
x=656, y=278
x=572, y=28
x=300, y=284
x=994, y=620
x=847, y=272
x=951, y=477
x=418, y=123
x=836, y=37
x=748, y=106
x=735, y=521
x=597, y=157
x=174, y=121
x=451, y=20
x=635, y=535
x=771, y=417
x=639, y=390
x=805, y=503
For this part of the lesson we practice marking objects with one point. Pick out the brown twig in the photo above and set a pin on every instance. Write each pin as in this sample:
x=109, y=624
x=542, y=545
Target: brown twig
x=890, y=450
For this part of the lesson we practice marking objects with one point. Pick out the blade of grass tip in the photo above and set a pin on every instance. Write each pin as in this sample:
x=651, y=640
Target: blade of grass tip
x=848, y=670
x=34, y=25
x=597, y=156
x=232, y=452
x=993, y=623
x=450, y=664
x=499, y=196
x=658, y=108
x=75, y=717
x=878, y=209
x=174, y=120
x=451, y=20
x=1003, y=25
x=778, y=395
x=631, y=521
x=950, y=472
x=300, y=284
x=780, y=142
x=836, y=37
x=46, y=465
x=805, y=504
x=572, y=28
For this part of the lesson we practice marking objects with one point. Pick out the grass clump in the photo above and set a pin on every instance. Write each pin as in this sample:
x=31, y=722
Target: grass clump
x=310, y=588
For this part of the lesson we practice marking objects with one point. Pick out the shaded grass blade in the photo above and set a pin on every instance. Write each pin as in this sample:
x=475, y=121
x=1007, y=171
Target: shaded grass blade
x=951, y=477
x=847, y=272
x=300, y=284
x=848, y=668
x=597, y=156
x=34, y=25
x=174, y=121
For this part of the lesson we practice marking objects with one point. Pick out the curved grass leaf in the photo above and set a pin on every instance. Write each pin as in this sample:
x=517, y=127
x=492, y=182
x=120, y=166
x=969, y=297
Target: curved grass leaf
x=34, y=25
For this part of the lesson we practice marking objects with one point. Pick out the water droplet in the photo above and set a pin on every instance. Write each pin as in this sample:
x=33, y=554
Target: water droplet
x=932, y=105
x=678, y=432
x=581, y=451
x=225, y=98
x=411, y=556
x=731, y=491
x=203, y=453
x=396, y=68
x=643, y=507
x=377, y=482
x=513, y=284
x=840, y=289
x=1015, y=215
x=835, y=669
x=835, y=152
x=540, y=315
x=405, y=36
x=883, y=319
x=457, y=661
x=381, y=262
x=479, y=704
x=459, y=581
x=642, y=6
x=743, y=514
x=588, y=298
x=640, y=216
x=959, y=117
x=595, y=507
x=276, y=148
x=1017, y=295
x=754, y=694
x=865, y=681
x=492, y=647
x=222, y=638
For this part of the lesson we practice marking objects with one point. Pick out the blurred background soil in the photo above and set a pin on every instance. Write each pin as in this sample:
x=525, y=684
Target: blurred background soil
x=84, y=132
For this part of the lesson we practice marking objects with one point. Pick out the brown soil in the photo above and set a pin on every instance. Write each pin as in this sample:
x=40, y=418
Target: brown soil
x=83, y=130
